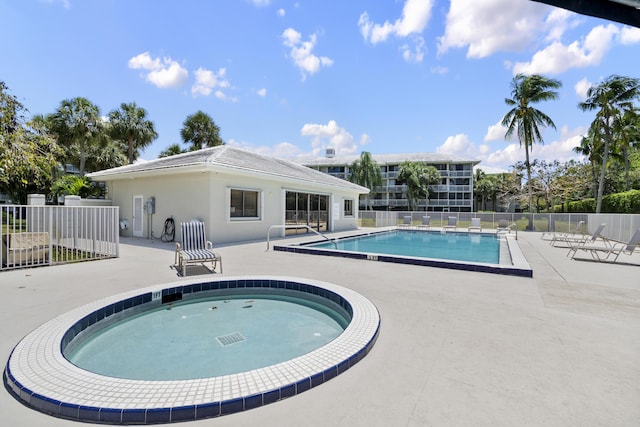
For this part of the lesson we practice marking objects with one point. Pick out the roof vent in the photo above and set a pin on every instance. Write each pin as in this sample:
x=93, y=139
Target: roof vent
x=330, y=153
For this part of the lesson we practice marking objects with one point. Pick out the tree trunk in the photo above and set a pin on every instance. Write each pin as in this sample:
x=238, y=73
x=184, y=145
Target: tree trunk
x=605, y=158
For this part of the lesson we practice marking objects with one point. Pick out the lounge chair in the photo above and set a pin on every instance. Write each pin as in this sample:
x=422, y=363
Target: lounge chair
x=451, y=223
x=578, y=239
x=503, y=225
x=602, y=253
x=577, y=231
x=475, y=224
x=426, y=222
x=195, y=248
x=406, y=222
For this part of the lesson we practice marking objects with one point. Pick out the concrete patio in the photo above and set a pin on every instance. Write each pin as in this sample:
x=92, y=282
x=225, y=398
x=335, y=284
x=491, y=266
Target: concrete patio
x=455, y=349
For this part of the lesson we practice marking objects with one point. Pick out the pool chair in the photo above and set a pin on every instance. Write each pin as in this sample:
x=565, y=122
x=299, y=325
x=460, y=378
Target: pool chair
x=406, y=222
x=195, y=248
x=452, y=223
x=503, y=225
x=603, y=253
x=475, y=224
x=577, y=230
x=426, y=222
x=578, y=239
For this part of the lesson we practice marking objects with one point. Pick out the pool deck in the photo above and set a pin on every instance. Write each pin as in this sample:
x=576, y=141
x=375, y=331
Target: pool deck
x=456, y=348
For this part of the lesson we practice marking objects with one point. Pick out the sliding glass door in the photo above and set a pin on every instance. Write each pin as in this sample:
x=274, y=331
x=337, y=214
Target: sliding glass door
x=306, y=209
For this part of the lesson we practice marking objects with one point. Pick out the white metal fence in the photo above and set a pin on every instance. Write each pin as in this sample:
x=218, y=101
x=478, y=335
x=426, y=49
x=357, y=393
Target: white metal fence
x=620, y=227
x=46, y=235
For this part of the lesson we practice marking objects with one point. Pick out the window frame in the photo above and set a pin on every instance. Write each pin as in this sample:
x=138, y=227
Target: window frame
x=258, y=209
x=348, y=213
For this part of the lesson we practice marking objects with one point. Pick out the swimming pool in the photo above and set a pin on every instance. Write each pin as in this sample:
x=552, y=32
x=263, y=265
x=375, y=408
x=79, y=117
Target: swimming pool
x=482, y=252
x=38, y=374
x=208, y=337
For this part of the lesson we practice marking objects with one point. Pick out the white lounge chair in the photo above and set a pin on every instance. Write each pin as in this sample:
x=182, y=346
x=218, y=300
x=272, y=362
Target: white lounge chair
x=451, y=223
x=578, y=230
x=578, y=239
x=503, y=225
x=426, y=222
x=406, y=222
x=602, y=253
x=475, y=224
x=195, y=248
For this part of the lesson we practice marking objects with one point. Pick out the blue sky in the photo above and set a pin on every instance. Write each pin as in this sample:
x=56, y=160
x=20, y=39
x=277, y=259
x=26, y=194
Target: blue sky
x=290, y=78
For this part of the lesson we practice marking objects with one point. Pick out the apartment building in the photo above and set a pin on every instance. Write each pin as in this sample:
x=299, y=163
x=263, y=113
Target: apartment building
x=454, y=192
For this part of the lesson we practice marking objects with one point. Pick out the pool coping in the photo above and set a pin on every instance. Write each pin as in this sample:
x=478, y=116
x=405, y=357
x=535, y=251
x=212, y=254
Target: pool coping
x=40, y=377
x=518, y=265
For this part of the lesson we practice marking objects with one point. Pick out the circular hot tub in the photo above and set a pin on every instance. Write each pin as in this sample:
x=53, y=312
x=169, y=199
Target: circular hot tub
x=41, y=374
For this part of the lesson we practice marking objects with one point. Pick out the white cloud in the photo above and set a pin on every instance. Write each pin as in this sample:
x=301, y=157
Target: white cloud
x=332, y=135
x=207, y=81
x=456, y=144
x=415, y=16
x=558, y=57
x=262, y=92
x=281, y=12
x=261, y=3
x=629, y=35
x=582, y=87
x=490, y=26
x=302, y=52
x=504, y=156
x=495, y=132
x=163, y=73
x=437, y=69
x=415, y=55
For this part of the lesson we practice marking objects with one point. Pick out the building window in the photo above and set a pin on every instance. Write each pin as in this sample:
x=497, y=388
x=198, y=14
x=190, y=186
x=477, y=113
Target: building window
x=348, y=207
x=244, y=204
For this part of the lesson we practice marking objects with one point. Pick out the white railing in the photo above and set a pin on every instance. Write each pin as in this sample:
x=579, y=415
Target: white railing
x=620, y=227
x=46, y=235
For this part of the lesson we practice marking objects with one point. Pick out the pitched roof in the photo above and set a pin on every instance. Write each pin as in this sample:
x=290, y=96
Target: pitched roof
x=385, y=159
x=228, y=159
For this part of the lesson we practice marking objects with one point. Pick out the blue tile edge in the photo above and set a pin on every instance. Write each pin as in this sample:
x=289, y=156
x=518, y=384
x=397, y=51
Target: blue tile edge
x=524, y=271
x=148, y=416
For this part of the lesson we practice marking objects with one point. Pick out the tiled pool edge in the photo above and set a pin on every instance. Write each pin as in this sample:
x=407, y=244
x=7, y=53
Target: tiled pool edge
x=291, y=377
x=518, y=267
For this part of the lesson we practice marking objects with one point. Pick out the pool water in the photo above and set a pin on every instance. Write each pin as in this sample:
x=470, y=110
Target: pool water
x=472, y=247
x=208, y=338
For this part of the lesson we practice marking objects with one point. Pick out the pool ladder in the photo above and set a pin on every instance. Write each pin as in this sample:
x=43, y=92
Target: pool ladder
x=299, y=226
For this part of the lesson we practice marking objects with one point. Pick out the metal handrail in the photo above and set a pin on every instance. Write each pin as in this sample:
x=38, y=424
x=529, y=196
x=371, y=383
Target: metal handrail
x=299, y=226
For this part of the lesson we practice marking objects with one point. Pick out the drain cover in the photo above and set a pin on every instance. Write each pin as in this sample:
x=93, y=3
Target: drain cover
x=232, y=338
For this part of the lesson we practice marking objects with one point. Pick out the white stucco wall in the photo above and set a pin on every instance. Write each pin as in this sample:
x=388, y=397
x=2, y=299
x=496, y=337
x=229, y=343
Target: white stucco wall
x=205, y=196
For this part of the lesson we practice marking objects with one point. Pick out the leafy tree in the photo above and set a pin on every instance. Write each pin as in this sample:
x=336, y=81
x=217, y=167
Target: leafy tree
x=72, y=185
x=129, y=124
x=610, y=99
x=627, y=135
x=27, y=153
x=417, y=176
x=77, y=124
x=526, y=120
x=200, y=131
x=171, y=150
x=591, y=147
x=366, y=172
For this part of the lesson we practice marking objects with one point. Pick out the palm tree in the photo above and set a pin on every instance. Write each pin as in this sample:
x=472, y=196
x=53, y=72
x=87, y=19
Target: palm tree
x=171, y=150
x=366, y=172
x=418, y=177
x=611, y=98
x=591, y=147
x=200, y=131
x=76, y=123
x=526, y=120
x=627, y=131
x=130, y=125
